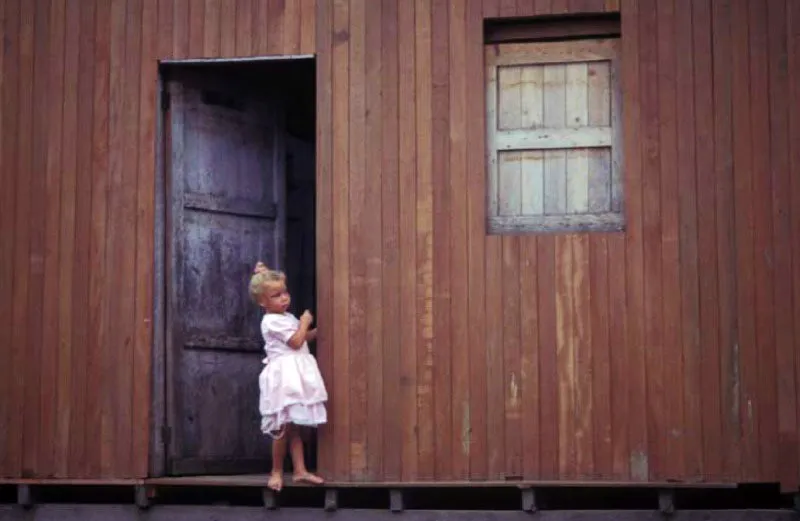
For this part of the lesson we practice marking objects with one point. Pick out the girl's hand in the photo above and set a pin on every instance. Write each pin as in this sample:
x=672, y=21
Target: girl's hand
x=307, y=317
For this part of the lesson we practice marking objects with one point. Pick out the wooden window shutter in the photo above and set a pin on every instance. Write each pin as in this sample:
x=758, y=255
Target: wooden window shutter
x=554, y=137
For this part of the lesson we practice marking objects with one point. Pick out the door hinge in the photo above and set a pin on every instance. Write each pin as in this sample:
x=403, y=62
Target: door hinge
x=165, y=99
x=166, y=434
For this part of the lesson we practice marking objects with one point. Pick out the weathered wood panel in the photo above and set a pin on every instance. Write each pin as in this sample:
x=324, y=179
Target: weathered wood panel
x=668, y=350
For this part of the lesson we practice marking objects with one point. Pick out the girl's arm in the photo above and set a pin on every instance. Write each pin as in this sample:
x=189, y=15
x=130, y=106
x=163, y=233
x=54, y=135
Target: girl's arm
x=297, y=340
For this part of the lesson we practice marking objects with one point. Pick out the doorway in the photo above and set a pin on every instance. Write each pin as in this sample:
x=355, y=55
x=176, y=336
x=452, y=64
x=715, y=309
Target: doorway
x=239, y=187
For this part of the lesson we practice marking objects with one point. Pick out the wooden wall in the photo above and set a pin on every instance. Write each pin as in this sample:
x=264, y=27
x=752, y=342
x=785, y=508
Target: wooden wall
x=77, y=161
x=669, y=351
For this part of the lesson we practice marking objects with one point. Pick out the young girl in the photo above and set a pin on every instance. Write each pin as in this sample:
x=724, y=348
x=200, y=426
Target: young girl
x=292, y=393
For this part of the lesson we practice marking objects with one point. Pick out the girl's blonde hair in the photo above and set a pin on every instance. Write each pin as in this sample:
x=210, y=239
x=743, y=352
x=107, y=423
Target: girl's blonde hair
x=263, y=277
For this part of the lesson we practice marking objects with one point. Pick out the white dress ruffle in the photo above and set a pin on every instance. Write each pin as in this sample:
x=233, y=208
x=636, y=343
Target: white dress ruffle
x=291, y=389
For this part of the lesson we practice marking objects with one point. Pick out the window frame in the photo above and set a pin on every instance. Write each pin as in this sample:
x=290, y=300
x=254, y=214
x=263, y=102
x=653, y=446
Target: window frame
x=572, y=50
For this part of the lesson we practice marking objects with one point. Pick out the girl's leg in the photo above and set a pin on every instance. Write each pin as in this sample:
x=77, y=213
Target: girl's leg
x=278, y=455
x=301, y=473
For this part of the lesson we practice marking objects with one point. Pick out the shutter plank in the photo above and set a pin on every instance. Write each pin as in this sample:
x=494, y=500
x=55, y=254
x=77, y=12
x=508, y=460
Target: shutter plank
x=532, y=96
x=532, y=183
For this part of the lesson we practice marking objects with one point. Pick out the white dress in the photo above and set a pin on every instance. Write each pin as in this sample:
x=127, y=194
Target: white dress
x=290, y=385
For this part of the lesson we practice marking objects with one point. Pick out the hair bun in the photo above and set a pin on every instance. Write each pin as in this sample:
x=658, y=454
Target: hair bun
x=260, y=267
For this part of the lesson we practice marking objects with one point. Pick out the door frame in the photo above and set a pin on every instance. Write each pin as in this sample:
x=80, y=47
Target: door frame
x=159, y=432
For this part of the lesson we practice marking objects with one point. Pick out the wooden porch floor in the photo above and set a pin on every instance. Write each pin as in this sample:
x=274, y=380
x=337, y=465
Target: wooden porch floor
x=260, y=480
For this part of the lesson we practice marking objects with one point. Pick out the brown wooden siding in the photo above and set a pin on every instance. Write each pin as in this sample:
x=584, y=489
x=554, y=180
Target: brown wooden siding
x=667, y=351
x=78, y=118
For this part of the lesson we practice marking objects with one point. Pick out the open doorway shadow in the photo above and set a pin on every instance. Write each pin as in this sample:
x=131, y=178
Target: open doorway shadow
x=239, y=170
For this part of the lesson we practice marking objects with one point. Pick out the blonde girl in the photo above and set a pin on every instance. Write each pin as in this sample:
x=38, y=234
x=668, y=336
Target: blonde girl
x=292, y=393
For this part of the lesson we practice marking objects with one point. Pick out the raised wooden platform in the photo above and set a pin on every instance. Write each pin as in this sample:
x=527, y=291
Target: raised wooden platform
x=260, y=480
x=497, y=495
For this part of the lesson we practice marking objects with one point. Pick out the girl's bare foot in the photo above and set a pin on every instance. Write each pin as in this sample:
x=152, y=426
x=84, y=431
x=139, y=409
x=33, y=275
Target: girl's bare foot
x=307, y=477
x=275, y=481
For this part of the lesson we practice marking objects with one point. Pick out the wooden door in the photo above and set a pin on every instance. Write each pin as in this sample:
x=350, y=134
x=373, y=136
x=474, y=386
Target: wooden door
x=226, y=195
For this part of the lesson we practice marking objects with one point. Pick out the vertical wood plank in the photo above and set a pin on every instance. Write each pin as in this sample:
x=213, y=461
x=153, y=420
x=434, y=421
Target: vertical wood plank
x=291, y=21
x=22, y=237
x=75, y=26
x=324, y=227
x=532, y=181
x=35, y=166
x=494, y=357
x=532, y=96
x=442, y=199
x=598, y=352
x=559, y=7
x=586, y=6
x=407, y=99
x=671, y=354
x=90, y=225
x=9, y=465
x=747, y=363
x=599, y=112
x=180, y=35
x=577, y=181
x=211, y=27
x=125, y=359
x=637, y=456
x=529, y=358
x=543, y=6
x=599, y=304
x=565, y=357
x=513, y=401
x=227, y=29
x=341, y=273
x=582, y=356
x=197, y=15
x=620, y=352
x=476, y=276
x=793, y=44
x=360, y=229
x=263, y=34
x=727, y=270
x=549, y=445
x=652, y=235
x=690, y=421
x=765, y=405
x=7, y=231
x=145, y=224
x=495, y=424
x=166, y=13
x=424, y=89
x=113, y=298
x=6, y=179
x=307, y=26
x=779, y=105
x=709, y=301
x=373, y=235
x=52, y=246
x=459, y=305
x=389, y=347
x=508, y=8
x=245, y=18
x=526, y=7
x=276, y=26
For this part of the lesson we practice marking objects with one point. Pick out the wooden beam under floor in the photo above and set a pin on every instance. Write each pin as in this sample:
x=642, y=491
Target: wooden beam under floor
x=96, y=512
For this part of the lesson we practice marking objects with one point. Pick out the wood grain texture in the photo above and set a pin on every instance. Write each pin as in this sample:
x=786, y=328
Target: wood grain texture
x=663, y=350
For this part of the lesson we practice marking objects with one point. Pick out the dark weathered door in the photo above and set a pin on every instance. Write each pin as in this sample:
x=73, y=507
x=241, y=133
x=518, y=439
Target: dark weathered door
x=227, y=211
